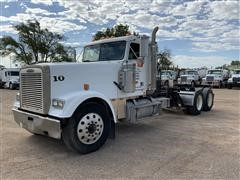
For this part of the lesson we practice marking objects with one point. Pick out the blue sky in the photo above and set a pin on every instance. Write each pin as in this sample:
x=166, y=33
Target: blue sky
x=198, y=33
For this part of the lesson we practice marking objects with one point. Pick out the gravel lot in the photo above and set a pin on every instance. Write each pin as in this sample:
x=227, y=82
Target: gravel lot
x=170, y=146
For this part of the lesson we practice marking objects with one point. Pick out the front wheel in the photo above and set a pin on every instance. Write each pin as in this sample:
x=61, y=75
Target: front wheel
x=193, y=84
x=229, y=86
x=88, y=129
x=10, y=86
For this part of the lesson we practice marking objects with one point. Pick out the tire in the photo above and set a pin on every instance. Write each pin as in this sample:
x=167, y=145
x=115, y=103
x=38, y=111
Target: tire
x=229, y=86
x=166, y=84
x=208, y=99
x=197, y=105
x=88, y=129
x=193, y=84
x=220, y=84
x=10, y=86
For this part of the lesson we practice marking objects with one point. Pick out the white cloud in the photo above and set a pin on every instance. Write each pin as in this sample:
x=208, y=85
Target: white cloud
x=7, y=1
x=7, y=29
x=207, y=25
x=38, y=11
x=225, y=9
x=74, y=44
x=54, y=24
x=46, y=2
x=193, y=61
x=187, y=8
x=58, y=25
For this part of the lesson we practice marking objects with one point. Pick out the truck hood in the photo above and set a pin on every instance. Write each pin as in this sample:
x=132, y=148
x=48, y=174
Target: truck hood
x=71, y=77
x=14, y=79
x=236, y=75
x=187, y=75
x=214, y=75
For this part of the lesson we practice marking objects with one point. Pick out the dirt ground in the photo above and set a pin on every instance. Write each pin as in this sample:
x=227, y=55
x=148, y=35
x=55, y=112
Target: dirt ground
x=170, y=146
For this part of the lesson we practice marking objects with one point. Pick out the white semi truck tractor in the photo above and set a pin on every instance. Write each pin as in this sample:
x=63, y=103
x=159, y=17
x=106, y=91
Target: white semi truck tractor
x=115, y=82
x=9, y=78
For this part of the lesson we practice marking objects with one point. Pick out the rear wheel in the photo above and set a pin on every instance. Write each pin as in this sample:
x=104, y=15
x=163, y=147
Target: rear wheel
x=197, y=105
x=208, y=99
x=88, y=129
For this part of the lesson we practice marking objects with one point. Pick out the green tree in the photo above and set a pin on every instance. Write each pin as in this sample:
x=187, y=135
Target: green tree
x=235, y=63
x=116, y=31
x=34, y=44
x=164, y=59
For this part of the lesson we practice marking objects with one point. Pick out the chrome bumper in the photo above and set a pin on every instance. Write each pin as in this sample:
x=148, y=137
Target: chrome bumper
x=38, y=124
x=211, y=83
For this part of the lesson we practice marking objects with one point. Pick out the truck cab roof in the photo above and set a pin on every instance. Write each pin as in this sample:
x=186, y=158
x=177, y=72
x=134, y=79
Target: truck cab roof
x=123, y=38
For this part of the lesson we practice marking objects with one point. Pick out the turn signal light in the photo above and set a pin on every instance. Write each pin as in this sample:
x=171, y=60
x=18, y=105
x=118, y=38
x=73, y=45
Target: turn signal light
x=86, y=87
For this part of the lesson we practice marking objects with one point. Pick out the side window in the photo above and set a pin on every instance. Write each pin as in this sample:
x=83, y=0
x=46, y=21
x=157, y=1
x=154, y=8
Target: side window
x=5, y=73
x=134, y=51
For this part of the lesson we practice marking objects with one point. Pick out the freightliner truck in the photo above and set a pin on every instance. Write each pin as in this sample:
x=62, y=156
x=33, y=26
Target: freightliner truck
x=115, y=82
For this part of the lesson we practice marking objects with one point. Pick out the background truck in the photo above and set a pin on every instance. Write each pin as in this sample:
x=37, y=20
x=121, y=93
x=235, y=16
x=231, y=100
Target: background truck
x=216, y=77
x=167, y=77
x=191, y=77
x=234, y=79
x=9, y=78
x=115, y=82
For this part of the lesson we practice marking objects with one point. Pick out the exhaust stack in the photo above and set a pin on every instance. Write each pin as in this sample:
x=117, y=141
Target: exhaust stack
x=153, y=68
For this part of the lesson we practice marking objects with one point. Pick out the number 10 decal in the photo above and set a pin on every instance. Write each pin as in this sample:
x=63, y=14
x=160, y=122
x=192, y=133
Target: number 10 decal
x=58, y=78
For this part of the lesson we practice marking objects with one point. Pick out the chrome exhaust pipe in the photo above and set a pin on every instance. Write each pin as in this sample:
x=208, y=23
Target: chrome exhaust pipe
x=153, y=69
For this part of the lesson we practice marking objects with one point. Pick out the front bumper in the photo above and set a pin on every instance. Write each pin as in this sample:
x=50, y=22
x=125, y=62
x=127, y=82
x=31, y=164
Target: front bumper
x=234, y=83
x=212, y=83
x=38, y=124
x=188, y=81
x=15, y=85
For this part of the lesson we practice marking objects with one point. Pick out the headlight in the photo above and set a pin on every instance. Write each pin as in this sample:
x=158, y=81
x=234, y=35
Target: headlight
x=58, y=103
x=18, y=97
x=230, y=80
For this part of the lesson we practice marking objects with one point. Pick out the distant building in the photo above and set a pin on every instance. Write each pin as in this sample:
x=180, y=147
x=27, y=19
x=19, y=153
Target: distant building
x=8, y=62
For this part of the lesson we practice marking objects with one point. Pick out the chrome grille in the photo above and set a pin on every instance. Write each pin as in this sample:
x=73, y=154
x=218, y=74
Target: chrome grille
x=35, y=89
x=210, y=78
x=236, y=79
x=32, y=91
x=183, y=79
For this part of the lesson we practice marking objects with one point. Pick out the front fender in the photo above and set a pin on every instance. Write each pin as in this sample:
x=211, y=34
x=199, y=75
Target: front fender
x=73, y=100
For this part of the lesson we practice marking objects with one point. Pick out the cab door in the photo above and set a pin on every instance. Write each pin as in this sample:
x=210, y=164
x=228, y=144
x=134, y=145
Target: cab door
x=134, y=55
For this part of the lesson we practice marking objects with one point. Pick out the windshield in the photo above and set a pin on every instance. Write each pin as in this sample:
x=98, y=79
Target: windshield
x=214, y=72
x=14, y=73
x=104, y=52
x=236, y=72
x=165, y=73
x=191, y=72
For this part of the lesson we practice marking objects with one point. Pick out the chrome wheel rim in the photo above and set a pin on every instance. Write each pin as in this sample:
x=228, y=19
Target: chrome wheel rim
x=199, y=102
x=90, y=128
x=210, y=99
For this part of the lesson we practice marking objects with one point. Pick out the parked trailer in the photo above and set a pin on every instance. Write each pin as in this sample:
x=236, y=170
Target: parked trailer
x=116, y=82
x=9, y=78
